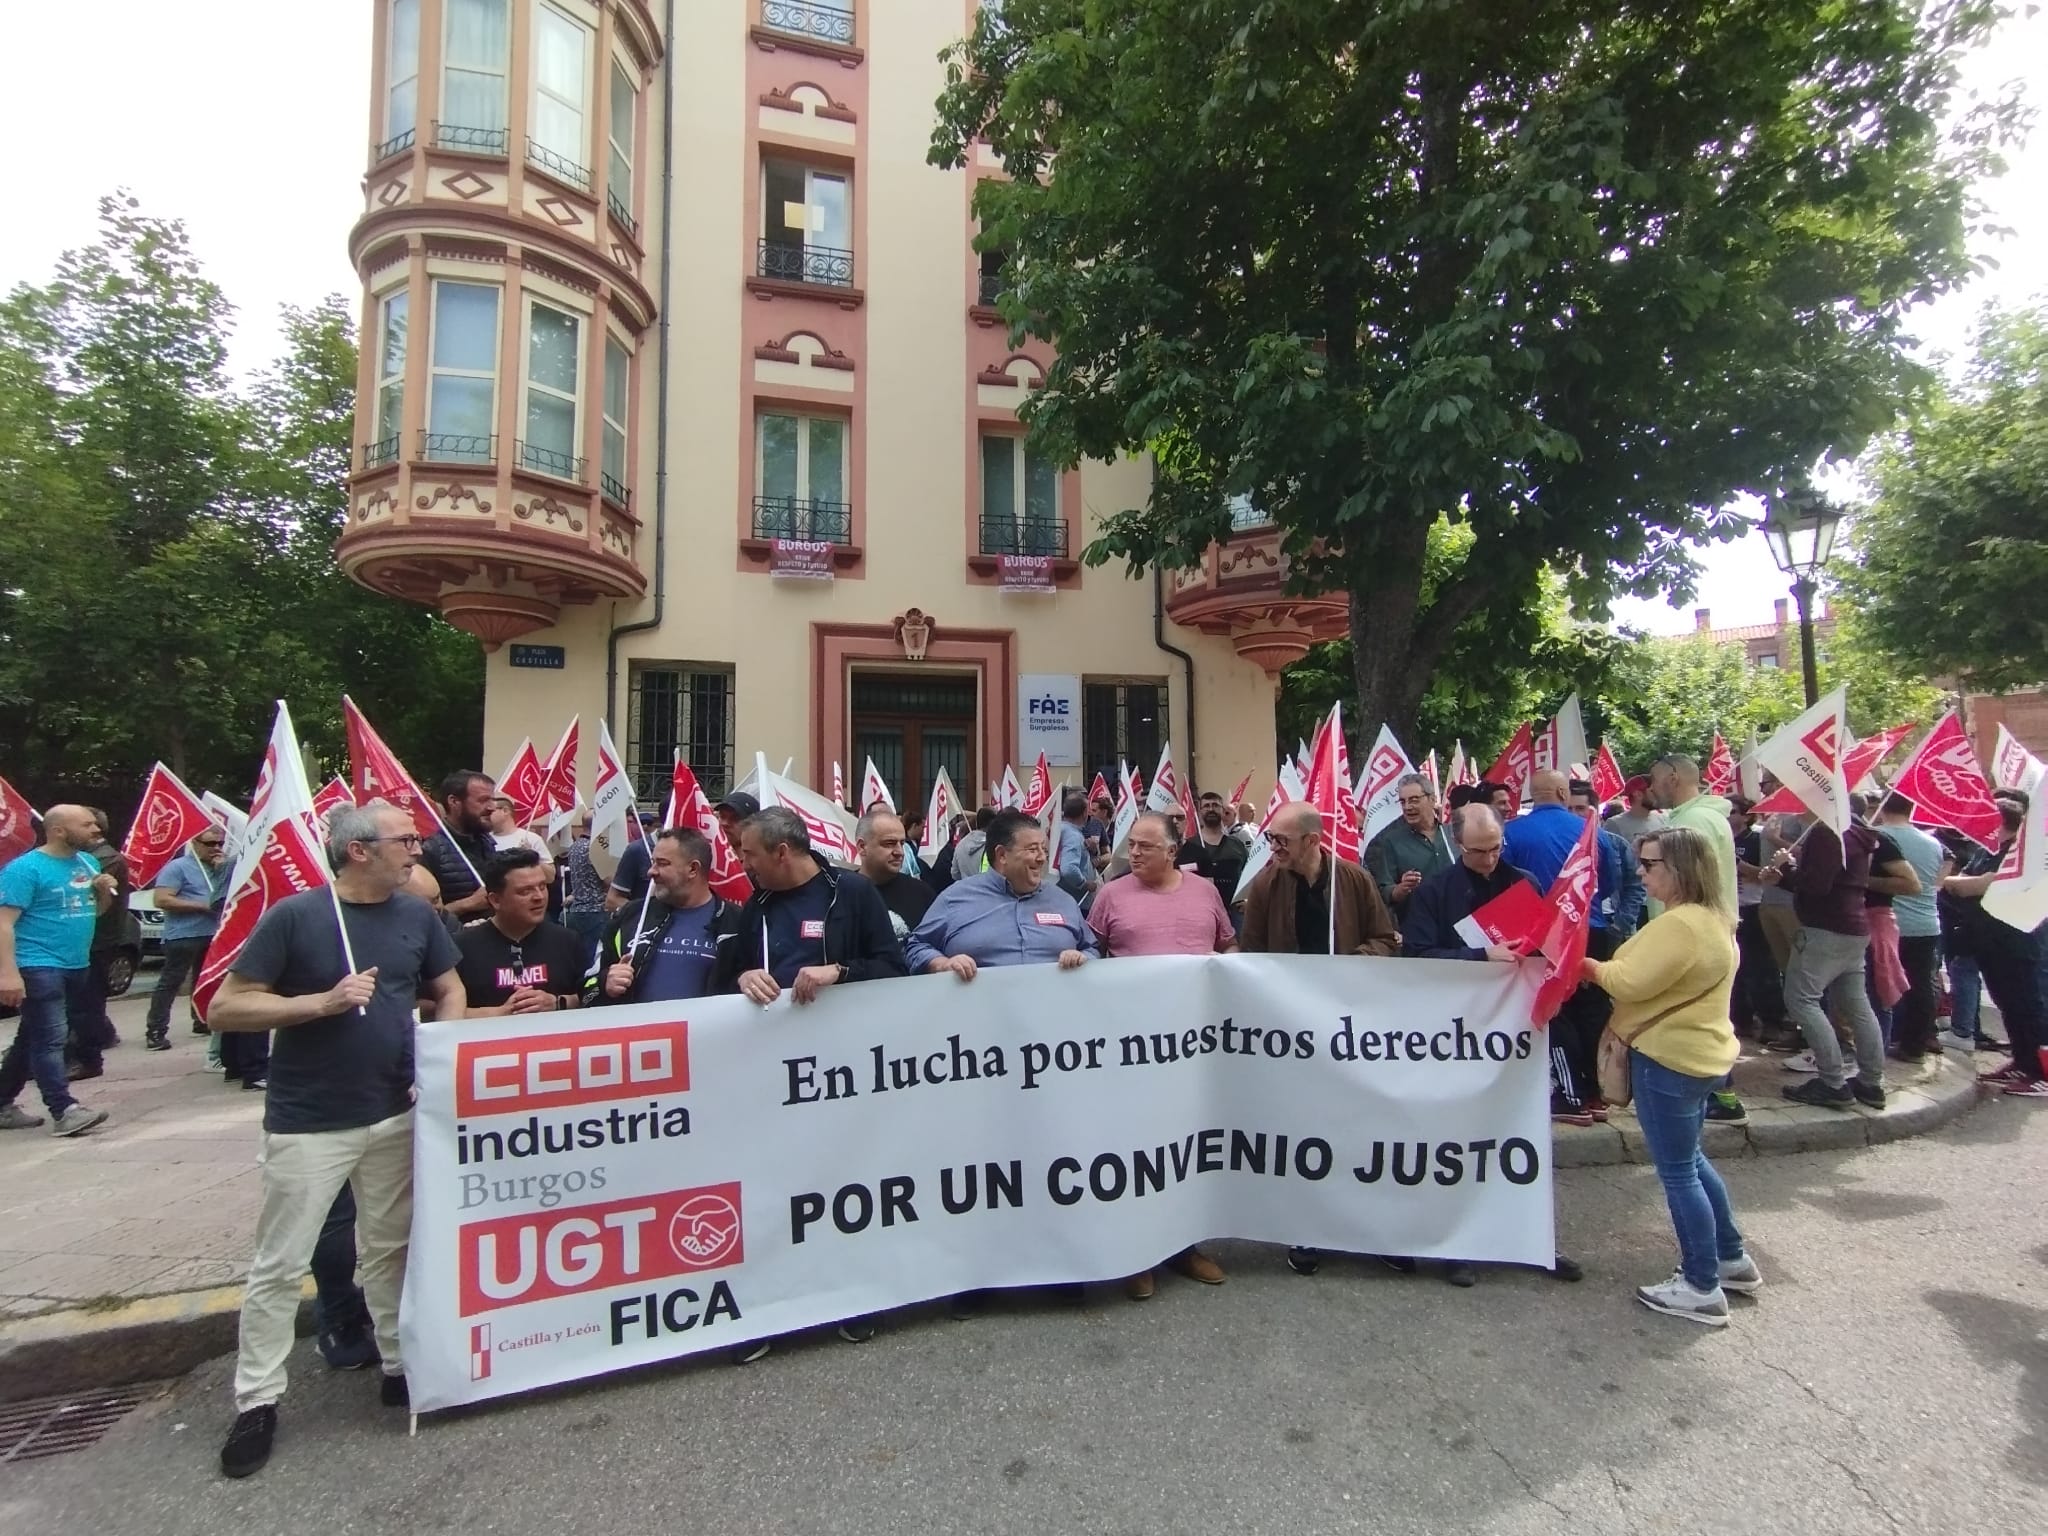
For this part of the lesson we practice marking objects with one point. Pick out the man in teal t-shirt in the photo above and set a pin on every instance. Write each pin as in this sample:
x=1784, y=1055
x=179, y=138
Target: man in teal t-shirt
x=50, y=901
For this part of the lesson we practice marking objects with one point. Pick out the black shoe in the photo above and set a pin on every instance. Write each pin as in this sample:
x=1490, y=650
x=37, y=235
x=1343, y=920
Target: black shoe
x=747, y=1354
x=393, y=1393
x=1460, y=1274
x=78, y=1072
x=1567, y=1269
x=248, y=1444
x=857, y=1330
x=157, y=1043
x=1726, y=1109
x=256, y=1084
x=1396, y=1263
x=965, y=1305
x=1869, y=1098
x=350, y=1349
x=1986, y=1043
x=1814, y=1091
x=1304, y=1261
x=199, y=1028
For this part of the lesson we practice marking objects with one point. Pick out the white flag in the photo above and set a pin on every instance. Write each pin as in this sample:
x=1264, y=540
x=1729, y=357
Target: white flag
x=2012, y=765
x=2019, y=896
x=830, y=828
x=838, y=783
x=1009, y=793
x=1749, y=779
x=234, y=821
x=1379, y=786
x=1568, y=737
x=1163, y=794
x=611, y=800
x=873, y=789
x=945, y=805
x=1806, y=757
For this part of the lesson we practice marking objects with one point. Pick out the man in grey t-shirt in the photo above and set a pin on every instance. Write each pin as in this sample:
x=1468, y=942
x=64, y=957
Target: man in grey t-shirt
x=337, y=974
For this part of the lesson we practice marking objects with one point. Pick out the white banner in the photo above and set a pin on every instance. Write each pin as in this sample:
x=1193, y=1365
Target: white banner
x=646, y=1182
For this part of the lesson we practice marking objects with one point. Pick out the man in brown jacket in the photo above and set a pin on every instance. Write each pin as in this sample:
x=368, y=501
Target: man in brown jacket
x=1287, y=909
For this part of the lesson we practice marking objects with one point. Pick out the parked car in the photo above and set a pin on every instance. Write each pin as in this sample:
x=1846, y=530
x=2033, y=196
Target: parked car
x=122, y=964
x=151, y=922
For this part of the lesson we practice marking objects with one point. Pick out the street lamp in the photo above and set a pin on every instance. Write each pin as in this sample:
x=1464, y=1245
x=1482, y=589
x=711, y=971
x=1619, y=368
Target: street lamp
x=1800, y=526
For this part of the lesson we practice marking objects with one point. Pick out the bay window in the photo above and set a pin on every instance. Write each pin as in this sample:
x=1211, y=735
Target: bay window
x=618, y=369
x=401, y=77
x=473, y=53
x=462, y=397
x=558, y=137
x=554, y=360
x=390, y=410
x=625, y=111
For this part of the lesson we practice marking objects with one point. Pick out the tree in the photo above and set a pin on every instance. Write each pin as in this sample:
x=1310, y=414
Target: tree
x=1572, y=274
x=1952, y=557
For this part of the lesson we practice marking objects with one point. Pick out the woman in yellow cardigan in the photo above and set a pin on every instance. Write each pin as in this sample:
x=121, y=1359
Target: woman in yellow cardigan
x=1670, y=986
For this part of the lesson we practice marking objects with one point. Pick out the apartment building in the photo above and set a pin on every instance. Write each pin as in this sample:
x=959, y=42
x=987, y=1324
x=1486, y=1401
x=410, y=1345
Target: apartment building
x=683, y=391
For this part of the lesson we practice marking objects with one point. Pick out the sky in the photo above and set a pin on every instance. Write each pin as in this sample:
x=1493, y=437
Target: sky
x=252, y=129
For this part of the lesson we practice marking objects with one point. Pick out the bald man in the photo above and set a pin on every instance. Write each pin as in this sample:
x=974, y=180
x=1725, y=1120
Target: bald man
x=51, y=899
x=1675, y=789
x=1287, y=910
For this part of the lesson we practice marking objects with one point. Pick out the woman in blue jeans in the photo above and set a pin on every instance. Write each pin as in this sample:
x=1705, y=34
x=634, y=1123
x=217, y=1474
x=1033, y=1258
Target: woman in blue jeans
x=1670, y=985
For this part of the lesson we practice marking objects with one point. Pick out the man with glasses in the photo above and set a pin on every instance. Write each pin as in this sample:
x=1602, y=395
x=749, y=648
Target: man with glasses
x=337, y=974
x=519, y=962
x=189, y=893
x=1287, y=911
x=1413, y=848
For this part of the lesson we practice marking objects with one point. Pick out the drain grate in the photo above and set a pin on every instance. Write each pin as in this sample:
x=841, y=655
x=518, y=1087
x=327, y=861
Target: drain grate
x=51, y=1426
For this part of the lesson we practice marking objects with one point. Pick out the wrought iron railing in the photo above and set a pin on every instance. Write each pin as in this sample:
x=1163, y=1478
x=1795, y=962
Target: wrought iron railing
x=458, y=448
x=564, y=466
x=796, y=517
x=807, y=18
x=482, y=141
x=615, y=490
x=561, y=167
x=1244, y=514
x=795, y=263
x=620, y=215
x=383, y=451
x=991, y=288
x=396, y=144
x=1024, y=536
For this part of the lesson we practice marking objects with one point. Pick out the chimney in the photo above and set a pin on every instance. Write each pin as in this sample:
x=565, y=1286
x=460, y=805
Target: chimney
x=1780, y=606
x=1702, y=618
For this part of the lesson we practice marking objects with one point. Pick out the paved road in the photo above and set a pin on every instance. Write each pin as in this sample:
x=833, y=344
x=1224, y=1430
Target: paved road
x=1894, y=1377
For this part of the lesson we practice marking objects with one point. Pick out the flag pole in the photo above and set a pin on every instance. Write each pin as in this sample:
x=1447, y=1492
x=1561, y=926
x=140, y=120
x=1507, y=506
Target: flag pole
x=348, y=950
x=669, y=815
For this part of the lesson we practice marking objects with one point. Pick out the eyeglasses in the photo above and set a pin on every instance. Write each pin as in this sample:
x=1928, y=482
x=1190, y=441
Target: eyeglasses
x=209, y=842
x=406, y=839
x=1650, y=863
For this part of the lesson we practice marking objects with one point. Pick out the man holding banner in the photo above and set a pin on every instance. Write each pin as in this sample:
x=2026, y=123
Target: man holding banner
x=337, y=974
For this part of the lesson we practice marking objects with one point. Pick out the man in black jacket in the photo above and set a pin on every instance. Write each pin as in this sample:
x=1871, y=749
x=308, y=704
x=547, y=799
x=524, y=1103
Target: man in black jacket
x=806, y=927
x=1429, y=922
x=457, y=854
x=671, y=948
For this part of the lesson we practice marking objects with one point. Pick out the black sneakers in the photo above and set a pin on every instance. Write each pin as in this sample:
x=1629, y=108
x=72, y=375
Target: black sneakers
x=1814, y=1091
x=1304, y=1261
x=393, y=1394
x=1868, y=1097
x=248, y=1446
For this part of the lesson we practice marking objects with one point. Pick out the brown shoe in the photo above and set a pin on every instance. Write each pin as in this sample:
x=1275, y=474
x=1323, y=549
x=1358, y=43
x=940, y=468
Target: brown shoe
x=1197, y=1265
x=1139, y=1287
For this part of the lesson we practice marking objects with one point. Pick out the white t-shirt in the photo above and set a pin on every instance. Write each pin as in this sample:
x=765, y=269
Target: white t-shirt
x=524, y=837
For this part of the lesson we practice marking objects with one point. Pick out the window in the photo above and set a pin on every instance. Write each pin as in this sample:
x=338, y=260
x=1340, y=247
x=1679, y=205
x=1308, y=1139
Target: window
x=462, y=400
x=625, y=109
x=553, y=370
x=1020, y=503
x=558, y=142
x=1121, y=722
x=473, y=76
x=679, y=706
x=390, y=380
x=991, y=287
x=618, y=373
x=1243, y=514
x=800, y=478
x=402, y=77
x=1768, y=661
x=806, y=224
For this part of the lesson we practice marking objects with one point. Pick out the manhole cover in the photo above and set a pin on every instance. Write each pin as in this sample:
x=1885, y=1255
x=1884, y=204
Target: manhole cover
x=51, y=1426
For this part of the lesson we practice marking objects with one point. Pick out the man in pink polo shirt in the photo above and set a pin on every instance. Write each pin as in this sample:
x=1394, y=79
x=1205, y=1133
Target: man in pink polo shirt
x=1158, y=909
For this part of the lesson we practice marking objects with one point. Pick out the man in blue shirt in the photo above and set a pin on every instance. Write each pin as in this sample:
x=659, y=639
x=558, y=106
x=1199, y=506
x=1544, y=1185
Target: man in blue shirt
x=189, y=893
x=1004, y=915
x=50, y=902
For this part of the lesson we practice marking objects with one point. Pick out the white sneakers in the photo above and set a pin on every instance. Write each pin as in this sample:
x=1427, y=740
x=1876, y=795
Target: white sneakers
x=1803, y=1062
x=76, y=1120
x=14, y=1118
x=1741, y=1275
x=1677, y=1299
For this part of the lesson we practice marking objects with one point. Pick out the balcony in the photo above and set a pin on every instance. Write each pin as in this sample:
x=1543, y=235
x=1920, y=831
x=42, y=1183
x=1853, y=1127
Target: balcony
x=797, y=517
x=499, y=546
x=1240, y=590
x=397, y=144
x=474, y=141
x=614, y=490
x=562, y=168
x=808, y=18
x=621, y=217
x=1024, y=536
x=783, y=269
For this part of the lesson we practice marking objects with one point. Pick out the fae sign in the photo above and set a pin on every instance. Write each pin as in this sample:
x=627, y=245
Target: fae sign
x=1049, y=717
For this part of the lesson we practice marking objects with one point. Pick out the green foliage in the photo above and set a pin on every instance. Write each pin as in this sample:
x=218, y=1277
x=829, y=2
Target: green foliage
x=167, y=540
x=1952, y=559
x=1575, y=273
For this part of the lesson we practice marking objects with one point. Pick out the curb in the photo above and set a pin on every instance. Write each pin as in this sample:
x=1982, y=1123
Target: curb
x=1920, y=1099
x=152, y=1338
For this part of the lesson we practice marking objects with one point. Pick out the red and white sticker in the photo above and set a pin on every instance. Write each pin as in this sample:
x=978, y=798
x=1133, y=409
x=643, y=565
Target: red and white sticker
x=813, y=928
x=1050, y=920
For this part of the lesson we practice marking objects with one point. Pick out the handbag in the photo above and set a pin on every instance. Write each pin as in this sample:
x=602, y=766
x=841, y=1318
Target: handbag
x=1617, y=1087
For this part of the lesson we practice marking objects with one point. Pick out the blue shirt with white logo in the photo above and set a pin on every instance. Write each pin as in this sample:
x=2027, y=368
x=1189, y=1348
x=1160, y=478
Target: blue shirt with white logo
x=57, y=908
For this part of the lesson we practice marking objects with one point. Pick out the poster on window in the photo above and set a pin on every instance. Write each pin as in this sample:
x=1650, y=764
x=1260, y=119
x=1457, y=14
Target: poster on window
x=1024, y=573
x=801, y=560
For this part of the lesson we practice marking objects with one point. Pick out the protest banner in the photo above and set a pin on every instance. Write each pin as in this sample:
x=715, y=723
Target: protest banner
x=648, y=1182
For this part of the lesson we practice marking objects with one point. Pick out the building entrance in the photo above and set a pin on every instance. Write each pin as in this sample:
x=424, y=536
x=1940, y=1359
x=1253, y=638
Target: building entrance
x=913, y=724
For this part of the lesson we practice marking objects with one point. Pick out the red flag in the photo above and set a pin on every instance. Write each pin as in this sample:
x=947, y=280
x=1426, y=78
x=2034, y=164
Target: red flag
x=281, y=858
x=169, y=817
x=1515, y=766
x=333, y=795
x=688, y=806
x=1462, y=771
x=524, y=783
x=377, y=774
x=17, y=824
x=1544, y=746
x=558, y=780
x=1237, y=794
x=1040, y=792
x=1720, y=774
x=1780, y=801
x=1329, y=792
x=1947, y=787
x=1099, y=790
x=1570, y=917
x=1608, y=781
x=1865, y=755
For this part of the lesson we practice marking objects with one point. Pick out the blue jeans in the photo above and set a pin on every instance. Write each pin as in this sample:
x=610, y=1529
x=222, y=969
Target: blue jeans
x=54, y=997
x=1670, y=1107
x=1965, y=997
